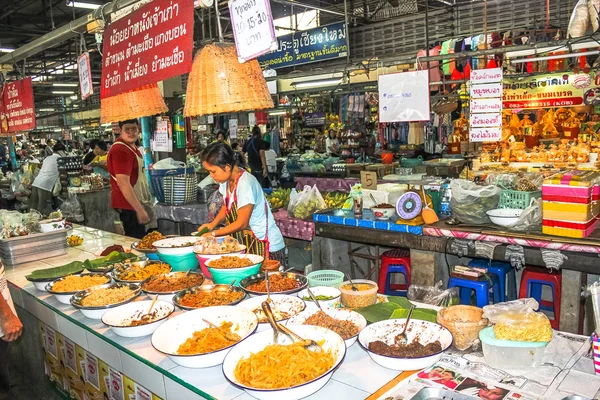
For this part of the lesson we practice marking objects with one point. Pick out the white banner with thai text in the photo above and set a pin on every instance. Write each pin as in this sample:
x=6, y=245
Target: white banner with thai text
x=253, y=29
x=404, y=97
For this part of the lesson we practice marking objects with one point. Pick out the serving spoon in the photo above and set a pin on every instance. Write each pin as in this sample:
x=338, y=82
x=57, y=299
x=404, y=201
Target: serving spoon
x=312, y=296
x=354, y=288
x=401, y=339
x=231, y=337
x=278, y=329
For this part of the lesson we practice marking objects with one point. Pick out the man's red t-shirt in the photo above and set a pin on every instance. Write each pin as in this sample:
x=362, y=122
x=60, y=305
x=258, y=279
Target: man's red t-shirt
x=122, y=161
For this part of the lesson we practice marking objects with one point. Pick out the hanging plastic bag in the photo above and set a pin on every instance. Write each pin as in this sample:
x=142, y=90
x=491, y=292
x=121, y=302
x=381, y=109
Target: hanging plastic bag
x=71, y=209
x=307, y=203
x=470, y=202
x=434, y=295
x=579, y=20
x=531, y=219
x=168, y=163
x=215, y=202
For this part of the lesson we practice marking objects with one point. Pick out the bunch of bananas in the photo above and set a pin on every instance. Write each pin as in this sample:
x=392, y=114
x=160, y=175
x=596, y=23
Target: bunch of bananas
x=280, y=198
x=74, y=240
x=335, y=200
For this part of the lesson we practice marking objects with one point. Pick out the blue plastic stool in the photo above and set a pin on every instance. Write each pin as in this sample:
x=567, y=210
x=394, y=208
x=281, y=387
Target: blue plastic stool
x=504, y=271
x=481, y=288
x=395, y=269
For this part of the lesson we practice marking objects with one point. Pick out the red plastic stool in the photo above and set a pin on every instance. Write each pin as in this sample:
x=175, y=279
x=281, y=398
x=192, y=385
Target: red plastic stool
x=394, y=262
x=532, y=281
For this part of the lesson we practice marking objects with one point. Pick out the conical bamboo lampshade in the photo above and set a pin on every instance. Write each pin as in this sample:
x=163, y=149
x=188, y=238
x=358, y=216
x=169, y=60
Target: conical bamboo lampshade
x=141, y=102
x=218, y=83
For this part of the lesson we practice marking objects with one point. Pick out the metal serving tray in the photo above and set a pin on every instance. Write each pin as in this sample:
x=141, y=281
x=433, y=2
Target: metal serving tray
x=28, y=246
x=34, y=237
x=440, y=394
x=32, y=250
x=10, y=262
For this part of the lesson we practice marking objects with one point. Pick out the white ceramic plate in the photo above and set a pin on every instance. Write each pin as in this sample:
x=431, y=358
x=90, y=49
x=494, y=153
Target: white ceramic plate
x=179, y=245
x=172, y=334
x=387, y=330
x=118, y=318
x=283, y=306
x=331, y=341
x=341, y=314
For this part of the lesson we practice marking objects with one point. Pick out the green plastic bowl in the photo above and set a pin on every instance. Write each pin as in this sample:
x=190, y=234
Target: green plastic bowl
x=225, y=276
x=180, y=263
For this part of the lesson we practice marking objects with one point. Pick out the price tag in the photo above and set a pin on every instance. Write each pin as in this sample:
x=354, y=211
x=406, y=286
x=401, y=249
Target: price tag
x=233, y=128
x=85, y=75
x=253, y=28
x=368, y=180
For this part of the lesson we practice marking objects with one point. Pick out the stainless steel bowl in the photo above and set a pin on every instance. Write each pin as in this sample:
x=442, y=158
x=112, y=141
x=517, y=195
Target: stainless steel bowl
x=79, y=296
x=51, y=284
x=121, y=268
x=301, y=279
x=207, y=288
x=146, y=251
x=171, y=274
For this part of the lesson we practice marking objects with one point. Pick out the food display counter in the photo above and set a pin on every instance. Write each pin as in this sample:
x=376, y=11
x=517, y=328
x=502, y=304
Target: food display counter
x=135, y=358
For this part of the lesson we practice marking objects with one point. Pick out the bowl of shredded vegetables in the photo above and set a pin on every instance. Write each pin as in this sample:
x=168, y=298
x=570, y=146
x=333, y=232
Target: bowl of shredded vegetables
x=166, y=285
x=284, y=370
x=326, y=296
x=190, y=341
x=208, y=296
x=280, y=283
x=64, y=288
x=226, y=268
x=139, y=271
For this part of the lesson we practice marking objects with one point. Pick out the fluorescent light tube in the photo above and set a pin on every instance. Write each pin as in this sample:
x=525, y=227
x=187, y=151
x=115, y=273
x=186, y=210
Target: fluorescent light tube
x=321, y=82
x=6, y=50
x=282, y=112
x=79, y=4
x=555, y=57
x=65, y=84
x=62, y=92
x=46, y=109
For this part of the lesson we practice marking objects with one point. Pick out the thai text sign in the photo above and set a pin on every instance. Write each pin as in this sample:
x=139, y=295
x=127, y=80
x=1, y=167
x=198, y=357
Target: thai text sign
x=253, y=30
x=85, y=76
x=151, y=44
x=486, y=120
x=485, y=134
x=317, y=44
x=314, y=119
x=486, y=105
x=553, y=90
x=16, y=106
x=486, y=75
x=486, y=90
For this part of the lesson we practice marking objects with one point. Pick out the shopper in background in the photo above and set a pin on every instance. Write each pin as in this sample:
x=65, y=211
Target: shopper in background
x=267, y=137
x=271, y=160
x=130, y=194
x=276, y=140
x=89, y=157
x=332, y=144
x=99, y=162
x=246, y=210
x=10, y=330
x=255, y=152
x=48, y=149
x=221, y=137
x=43, y=186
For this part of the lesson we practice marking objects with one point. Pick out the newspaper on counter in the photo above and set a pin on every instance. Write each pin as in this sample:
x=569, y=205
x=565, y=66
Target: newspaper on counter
x=567, y=369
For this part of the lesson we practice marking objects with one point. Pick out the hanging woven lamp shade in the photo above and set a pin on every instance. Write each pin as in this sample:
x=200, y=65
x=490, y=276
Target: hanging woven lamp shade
x=141, y=102
x=219, y=84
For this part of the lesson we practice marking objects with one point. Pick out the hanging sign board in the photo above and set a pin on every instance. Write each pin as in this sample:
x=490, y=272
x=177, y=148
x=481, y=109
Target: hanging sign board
x=486, y=75
x=85, y=76
x=404, y=97
x=151, y=44
x=17, y=110
x=253, y=29
x=486, y=120
x=314, y=119
x=313, y=45
x=485, y=134
x=552, y=90
x=486, y=105
x=486, y=90
x=233, y=128
x=161, y=137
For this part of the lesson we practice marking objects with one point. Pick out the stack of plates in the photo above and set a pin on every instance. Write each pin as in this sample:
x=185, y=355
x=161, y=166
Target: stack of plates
x=22, y=249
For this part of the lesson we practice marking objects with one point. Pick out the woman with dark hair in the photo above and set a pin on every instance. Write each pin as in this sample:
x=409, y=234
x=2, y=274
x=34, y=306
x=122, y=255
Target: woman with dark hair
x=246, y=210
x=255, y=151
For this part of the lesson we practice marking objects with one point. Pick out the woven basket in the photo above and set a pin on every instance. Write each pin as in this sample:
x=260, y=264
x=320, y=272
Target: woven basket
x=219, y=84
x=464, y=322
x=141, y=102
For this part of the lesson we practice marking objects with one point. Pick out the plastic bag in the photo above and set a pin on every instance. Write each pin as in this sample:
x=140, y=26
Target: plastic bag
x=434, y=295
x=470, y=202
x=531, y=219
x=578, y=23
x=168, y=163
x=215, y=202
x=307, y=203
x=517, y=320
x=71, y=209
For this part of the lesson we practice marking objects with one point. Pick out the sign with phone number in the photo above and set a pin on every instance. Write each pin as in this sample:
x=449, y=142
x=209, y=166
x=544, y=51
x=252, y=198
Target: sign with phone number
x=485, y=134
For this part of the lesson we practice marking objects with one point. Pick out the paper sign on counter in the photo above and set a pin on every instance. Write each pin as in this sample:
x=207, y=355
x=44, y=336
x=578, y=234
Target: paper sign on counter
x=485, y=134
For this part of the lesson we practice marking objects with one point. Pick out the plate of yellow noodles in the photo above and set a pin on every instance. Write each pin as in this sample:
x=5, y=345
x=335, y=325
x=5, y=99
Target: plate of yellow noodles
x=284, y=370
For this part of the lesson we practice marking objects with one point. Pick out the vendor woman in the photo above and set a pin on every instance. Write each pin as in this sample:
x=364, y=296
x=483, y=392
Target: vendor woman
x=245, y=210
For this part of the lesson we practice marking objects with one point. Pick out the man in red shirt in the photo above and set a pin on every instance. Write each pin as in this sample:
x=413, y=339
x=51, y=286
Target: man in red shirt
x=130, y=195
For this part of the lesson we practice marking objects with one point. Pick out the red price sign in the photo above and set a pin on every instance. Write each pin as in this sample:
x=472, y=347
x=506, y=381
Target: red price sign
x=17, y=110
x=151, y=44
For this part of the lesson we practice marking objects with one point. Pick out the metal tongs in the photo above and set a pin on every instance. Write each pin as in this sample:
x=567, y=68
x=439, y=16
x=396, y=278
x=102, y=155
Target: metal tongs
x=278, y=329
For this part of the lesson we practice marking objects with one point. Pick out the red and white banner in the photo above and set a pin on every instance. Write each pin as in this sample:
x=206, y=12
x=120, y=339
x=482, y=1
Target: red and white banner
x=153, y=43
x=17, y=110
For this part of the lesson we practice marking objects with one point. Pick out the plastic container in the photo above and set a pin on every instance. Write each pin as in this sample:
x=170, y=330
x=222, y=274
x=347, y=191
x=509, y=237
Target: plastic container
x=362, y=297
x=325, y=277
x=517, y=199
x=511, y=354
x=464, y=322
x=180, y=263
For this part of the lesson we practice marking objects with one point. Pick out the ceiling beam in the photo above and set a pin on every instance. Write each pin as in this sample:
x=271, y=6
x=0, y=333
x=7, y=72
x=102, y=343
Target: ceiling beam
x=15, y=8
